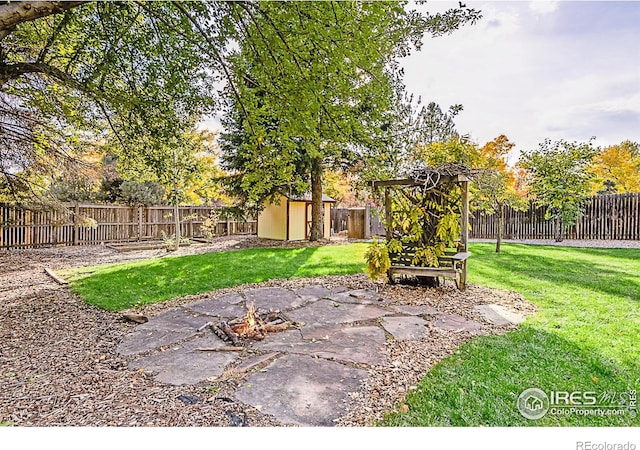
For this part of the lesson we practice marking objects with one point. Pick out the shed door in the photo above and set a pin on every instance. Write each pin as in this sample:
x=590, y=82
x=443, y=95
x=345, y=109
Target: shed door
x=308, y=220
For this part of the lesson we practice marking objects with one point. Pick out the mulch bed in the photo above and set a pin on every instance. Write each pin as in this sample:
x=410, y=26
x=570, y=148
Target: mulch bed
x=59, y=366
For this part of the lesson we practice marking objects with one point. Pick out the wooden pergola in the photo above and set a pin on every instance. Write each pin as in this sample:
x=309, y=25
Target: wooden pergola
x=454, y=263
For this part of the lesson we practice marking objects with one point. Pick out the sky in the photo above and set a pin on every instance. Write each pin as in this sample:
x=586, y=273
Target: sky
x=537, y=69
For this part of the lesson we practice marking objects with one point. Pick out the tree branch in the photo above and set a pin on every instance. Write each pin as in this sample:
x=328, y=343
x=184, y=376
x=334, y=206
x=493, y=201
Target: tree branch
x=16, y=70
x=15, y=13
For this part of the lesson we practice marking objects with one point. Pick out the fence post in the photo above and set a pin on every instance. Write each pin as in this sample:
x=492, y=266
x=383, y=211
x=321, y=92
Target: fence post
x=76, y=226
x=367, y=222
x=140, y=214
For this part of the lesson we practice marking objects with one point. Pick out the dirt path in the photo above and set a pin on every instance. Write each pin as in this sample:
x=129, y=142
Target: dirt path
x=59, y=365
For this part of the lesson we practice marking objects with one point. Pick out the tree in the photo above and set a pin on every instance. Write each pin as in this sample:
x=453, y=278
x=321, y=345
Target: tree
x=71, y=71
x=560, y=180
x=457, y=149
x=314, y=82
x=617, y=169
x=410, y=129
x=494, y=187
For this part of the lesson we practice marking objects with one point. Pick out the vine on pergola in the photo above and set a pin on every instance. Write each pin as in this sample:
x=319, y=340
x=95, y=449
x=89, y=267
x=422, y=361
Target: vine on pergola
x=422, y=219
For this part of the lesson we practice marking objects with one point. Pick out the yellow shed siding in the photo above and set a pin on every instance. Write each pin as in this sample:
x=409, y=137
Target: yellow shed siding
x=272, y=221
x=327, y=220
x=297, y=223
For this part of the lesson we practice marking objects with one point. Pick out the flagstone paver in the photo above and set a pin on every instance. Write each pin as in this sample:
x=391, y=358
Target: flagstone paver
x=349, y=344
x=183, y=364
x=325, y=312
x=301, y=390
x=273, y=299
x=359, y=296
x=409, y=328
x=415, y=310
x=177, y=319
x=312, y=293
x=454, y=322
x=499, y=315
x=144, y=340
x=227, y=306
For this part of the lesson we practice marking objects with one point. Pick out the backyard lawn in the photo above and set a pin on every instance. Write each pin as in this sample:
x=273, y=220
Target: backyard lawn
x=121, y=286
x=585, y=336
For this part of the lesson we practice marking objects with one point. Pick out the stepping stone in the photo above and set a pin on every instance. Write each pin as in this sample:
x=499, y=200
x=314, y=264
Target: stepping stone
x=415, y=310
x=228, y=306
x=454, y=322
x=252, y=363
x=301, y=390
x=499, y=315
x=359, y=296
x=184, y=364
x=350, y=344
x=319, y=332
x=313, y=293
x=324, y=312
x=273, y=299
x=408, y=328
x=177, y=319
x=338, y=289
x=141, y=341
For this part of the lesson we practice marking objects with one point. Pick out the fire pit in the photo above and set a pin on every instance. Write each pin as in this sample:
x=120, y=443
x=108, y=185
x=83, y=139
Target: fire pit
x=253, y=326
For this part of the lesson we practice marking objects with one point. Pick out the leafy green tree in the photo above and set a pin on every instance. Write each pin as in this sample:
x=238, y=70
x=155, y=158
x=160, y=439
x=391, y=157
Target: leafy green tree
x=142, y=193
x=457, y=149
x=71, y=72
x=559, y=178
x=315, y=83
x=411, y=127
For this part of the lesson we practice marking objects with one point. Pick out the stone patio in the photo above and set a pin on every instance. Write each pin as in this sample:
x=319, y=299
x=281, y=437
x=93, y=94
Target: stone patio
x=301, y=376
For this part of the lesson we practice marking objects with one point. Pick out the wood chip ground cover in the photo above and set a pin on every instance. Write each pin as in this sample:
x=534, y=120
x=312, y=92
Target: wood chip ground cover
x=60, y=368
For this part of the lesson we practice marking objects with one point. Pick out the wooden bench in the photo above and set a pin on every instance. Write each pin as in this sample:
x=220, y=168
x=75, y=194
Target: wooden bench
x=454, y=267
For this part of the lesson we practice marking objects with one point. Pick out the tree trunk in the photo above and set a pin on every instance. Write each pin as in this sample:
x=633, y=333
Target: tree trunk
x=316, y=200
x=176, y=210
x=500, y=227
x=557, y=229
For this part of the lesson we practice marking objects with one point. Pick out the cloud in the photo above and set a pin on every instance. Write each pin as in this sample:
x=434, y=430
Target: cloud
x=543, y=7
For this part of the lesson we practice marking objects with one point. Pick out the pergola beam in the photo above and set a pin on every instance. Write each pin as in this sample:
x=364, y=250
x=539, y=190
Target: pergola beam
x=412, y=182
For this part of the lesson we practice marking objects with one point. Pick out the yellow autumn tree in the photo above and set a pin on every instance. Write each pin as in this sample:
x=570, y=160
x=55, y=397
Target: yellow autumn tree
x=617, y=169
x=495, y=186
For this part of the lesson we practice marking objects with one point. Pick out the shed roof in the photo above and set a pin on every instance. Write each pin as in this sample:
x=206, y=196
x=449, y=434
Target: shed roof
x=306, y=197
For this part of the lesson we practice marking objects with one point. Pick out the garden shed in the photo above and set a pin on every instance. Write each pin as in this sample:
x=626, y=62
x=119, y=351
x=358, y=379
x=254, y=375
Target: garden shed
x=288, y=218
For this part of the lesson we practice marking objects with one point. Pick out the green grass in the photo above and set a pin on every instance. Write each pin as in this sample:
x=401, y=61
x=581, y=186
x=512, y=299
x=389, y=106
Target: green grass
x=585, y=337
x=121, y=286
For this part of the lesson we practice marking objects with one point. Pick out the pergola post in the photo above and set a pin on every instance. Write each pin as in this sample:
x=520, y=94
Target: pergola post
x=464, y=230
x=387, y=212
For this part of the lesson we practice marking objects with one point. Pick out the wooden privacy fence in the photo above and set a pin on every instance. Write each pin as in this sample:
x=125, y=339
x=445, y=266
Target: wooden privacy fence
x=359, y=223
x=610, y=217
x=20, y=227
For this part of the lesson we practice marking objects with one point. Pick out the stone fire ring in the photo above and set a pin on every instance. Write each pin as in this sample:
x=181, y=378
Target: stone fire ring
x=306, y=373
